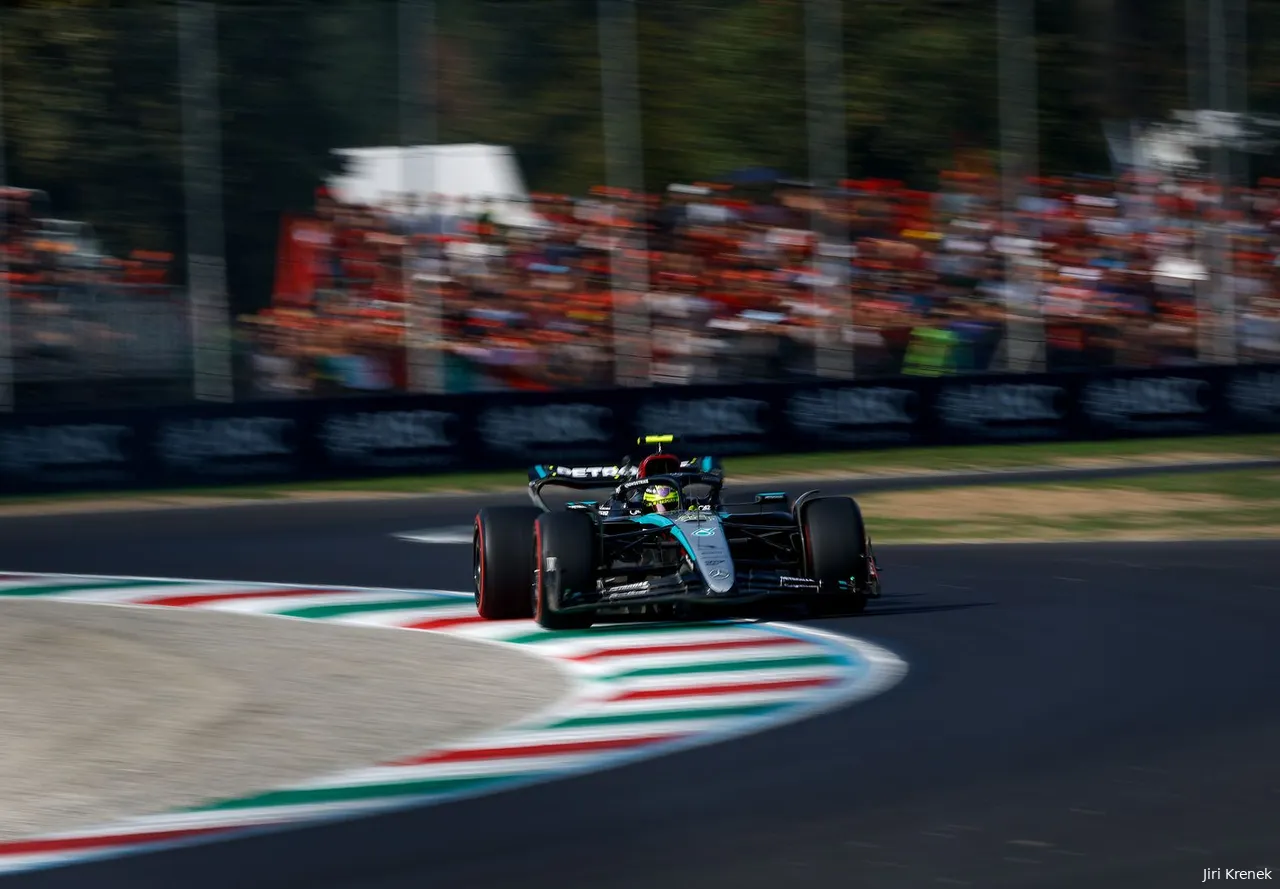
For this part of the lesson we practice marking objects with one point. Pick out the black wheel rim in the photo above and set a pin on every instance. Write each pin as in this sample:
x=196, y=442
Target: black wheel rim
x=475, y=566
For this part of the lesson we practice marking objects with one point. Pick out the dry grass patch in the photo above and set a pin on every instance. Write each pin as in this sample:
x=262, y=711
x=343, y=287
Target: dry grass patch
x=1046, y=503
x=144, y=502
x=113, y=504
x=1113, y=535
x=1104, y=461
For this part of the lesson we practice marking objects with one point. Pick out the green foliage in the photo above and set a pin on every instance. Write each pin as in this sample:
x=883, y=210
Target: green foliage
x=90, y=106
x=92, y=92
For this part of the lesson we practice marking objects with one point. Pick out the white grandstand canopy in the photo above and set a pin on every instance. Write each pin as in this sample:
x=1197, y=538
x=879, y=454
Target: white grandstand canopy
x=451, y=180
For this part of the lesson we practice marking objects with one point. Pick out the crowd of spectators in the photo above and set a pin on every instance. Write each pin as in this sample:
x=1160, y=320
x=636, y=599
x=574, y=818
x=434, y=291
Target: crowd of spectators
x=708, y=283
x=42, y=253
x=703, y=283
x=76, y=313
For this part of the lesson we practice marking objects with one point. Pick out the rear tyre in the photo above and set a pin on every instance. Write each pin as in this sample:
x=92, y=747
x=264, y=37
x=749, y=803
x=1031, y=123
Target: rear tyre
x=835, y=542
x=499, y=569
x=564, y=552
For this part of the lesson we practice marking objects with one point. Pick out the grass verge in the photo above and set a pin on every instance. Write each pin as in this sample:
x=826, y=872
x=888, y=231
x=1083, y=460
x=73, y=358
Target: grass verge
x=1208, y=505
x=847, y=464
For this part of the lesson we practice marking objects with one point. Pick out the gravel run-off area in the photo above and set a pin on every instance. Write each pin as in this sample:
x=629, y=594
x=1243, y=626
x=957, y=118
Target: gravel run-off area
x=108, y=712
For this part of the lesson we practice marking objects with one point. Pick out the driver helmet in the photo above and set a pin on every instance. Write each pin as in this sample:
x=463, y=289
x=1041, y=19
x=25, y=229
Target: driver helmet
x=661, y=498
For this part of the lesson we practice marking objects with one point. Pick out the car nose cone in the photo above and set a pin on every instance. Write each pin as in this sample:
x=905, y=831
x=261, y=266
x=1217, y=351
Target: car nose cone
x=710, y=548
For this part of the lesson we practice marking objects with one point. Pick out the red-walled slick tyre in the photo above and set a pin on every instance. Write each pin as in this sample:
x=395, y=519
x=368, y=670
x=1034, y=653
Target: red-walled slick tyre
x=500, y=563
x=836, y=550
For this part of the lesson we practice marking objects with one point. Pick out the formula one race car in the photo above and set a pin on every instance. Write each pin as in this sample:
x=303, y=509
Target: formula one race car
x=664, y=544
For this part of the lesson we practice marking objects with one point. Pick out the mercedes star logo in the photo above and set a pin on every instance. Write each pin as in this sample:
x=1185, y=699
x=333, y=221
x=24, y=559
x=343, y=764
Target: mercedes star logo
x=717, y=573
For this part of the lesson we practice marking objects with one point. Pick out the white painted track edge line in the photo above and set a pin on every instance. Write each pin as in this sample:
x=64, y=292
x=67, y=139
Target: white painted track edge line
x=246, y=584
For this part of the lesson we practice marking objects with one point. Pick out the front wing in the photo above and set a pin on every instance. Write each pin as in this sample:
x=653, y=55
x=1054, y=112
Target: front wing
x=752, y=585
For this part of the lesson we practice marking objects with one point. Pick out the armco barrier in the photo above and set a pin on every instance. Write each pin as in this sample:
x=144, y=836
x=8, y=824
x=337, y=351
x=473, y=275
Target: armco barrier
x=290, y=441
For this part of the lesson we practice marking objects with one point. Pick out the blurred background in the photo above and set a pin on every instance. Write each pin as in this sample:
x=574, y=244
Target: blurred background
x=304, y=199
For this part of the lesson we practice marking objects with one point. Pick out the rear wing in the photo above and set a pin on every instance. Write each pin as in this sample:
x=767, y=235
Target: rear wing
x=609, y=476
x=582, y=476
x=579, y=478
x=704, y=470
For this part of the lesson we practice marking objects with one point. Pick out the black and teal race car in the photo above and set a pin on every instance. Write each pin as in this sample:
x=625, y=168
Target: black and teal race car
x=664, y=543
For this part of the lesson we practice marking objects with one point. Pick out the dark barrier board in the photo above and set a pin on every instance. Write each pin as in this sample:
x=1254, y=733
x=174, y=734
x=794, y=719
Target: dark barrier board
x=280, y=442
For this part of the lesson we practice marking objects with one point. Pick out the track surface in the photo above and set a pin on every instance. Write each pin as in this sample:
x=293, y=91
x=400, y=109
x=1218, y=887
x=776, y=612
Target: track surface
x=1075, y=715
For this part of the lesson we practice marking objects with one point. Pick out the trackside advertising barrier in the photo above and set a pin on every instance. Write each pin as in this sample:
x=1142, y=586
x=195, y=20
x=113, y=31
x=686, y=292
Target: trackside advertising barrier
x=291, y=441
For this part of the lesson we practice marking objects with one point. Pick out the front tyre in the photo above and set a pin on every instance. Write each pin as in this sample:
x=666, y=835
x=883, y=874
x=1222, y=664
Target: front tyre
x=564, y=561
x=836, y=551
x=499, y=570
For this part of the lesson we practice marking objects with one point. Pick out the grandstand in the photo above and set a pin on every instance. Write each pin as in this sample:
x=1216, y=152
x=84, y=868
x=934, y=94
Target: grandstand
x=738, y=287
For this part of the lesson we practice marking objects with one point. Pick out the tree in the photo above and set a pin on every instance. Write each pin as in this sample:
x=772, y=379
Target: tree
x=96, y=126
x=92, y=95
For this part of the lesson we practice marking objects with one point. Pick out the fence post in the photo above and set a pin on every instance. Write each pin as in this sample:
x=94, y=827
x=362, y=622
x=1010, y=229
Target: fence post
x=423, y=334
x=1222, y=297
x=7, y=395
x=202, y=175
x=1019, y=162
x=824, y=65
x=624, y=163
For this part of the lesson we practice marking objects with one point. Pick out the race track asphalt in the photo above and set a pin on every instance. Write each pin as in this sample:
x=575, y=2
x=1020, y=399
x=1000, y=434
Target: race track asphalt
x=1101, y=715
